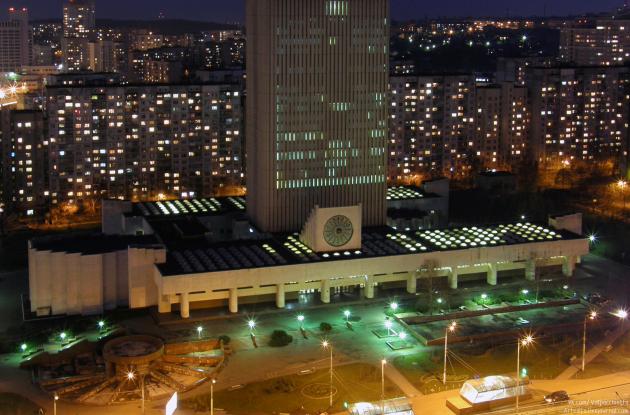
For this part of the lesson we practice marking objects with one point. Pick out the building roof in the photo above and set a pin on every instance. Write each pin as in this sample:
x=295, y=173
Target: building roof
x=91, y=244
x=404, y=193
x=281, y=250
x=202, y=206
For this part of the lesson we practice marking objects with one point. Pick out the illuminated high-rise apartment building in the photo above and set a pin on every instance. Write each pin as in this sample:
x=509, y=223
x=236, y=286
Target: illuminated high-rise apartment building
x=143, y=142
x=579, y=113
x=317, y=109
x=501, y=125
x=603, y=42
x=431, y=124
x=79, y=20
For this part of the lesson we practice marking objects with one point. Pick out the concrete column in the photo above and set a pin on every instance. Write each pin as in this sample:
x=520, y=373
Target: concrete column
x=452, y=279
x=280, y=295
x=530, y=270
x=369, y=288
x=492, y=274
x=184, y=305
x=568, y=265
x=233, y=303
x=412, y=282
x=164, y=304
x=325, y=291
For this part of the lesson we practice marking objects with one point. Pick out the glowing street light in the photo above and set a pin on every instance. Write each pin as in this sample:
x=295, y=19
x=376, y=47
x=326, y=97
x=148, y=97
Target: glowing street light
x=451, y=327
x=130, y=376
x=327, y=345
x=621, y=313
x=394, y=306
x=347, y=314
x=101, y=324
x=439, y=301
x=251, y=324
x=590, y=316
x=484, y=296
x=300, y=319
x=55, y=399
x=23, y=347
x=522, y=342
x=524, y=292
x=199, y=330
x=402, y=335
x=592, y=238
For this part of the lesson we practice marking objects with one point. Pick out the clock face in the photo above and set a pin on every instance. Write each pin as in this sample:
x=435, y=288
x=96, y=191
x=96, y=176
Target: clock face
x=338, y=231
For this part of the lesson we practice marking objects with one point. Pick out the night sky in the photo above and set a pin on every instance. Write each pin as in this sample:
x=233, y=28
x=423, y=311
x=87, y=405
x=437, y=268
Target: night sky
x=232, y=10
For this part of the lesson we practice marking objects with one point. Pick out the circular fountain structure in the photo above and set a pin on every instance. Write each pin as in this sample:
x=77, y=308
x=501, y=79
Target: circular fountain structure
x=131, y=354
x=135, y=366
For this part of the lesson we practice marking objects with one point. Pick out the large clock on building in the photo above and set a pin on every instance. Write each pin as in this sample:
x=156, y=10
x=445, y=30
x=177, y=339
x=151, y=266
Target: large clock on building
x=338, y=231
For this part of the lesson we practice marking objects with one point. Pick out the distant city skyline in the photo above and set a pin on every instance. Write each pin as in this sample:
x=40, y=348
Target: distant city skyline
x=222, y=11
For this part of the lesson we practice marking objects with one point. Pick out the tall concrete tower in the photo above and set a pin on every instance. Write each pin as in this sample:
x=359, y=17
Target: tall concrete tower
x=16, y=41
x=317, y=82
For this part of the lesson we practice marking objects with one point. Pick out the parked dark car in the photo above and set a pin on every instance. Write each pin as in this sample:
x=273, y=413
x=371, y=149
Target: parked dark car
x=596, y=298
x=557, y=396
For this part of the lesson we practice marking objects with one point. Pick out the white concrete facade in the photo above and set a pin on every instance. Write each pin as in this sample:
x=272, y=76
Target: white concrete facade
x=366, y=272
x=137, y=276
x=73, y=283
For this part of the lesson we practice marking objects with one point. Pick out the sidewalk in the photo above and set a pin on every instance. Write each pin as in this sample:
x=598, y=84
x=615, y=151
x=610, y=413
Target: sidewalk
x=403, y=384
x=591, y=354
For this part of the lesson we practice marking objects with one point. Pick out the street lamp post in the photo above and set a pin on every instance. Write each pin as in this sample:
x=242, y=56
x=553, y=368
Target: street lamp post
x=521, y=342
x=131, y=376
x=622, y=187
x=451, y=328
x=327, y=344
x=199, y=330
x=55, y=399
x=590, y=316
x=383, y=362
x=347, y=314
x=388, y=326
x=142, y=391
x=300, y=319
x=212, y=396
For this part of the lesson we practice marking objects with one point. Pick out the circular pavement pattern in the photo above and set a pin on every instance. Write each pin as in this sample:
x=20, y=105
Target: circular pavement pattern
x=317, y=390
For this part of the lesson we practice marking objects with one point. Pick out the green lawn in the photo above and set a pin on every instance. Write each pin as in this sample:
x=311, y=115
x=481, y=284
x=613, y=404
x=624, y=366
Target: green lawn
x=354, y=383
x=11, y=404
x=424, y=370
